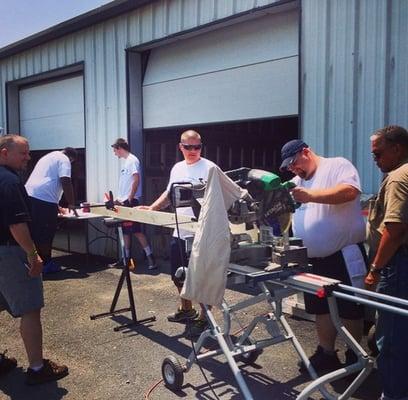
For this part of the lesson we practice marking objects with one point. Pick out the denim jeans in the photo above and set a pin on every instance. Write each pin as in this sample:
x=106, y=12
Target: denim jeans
x=392, y=330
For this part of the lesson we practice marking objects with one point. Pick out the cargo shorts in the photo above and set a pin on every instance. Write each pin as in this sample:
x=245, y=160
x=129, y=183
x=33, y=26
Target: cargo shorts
x=19, y=293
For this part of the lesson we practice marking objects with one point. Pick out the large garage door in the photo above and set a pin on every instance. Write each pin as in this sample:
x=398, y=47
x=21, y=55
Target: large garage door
x=241, y=72
x=52, y=114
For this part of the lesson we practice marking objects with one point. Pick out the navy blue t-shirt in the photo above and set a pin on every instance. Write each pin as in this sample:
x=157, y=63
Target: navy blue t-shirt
x=14, y=203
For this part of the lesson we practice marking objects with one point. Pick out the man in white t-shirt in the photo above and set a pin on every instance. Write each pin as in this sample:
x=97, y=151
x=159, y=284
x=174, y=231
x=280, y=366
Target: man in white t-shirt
x=194, y=169
x=331, y=225
x=50, y=178
x=129, y=194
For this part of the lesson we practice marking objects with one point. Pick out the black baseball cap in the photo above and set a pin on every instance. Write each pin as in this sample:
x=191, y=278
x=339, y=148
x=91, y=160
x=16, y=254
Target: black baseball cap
x=289, y=151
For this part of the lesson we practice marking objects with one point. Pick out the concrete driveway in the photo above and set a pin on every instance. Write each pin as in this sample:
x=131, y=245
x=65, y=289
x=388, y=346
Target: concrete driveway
x=108, y=365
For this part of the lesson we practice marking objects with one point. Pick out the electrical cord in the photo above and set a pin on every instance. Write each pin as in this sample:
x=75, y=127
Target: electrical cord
x=156, y=384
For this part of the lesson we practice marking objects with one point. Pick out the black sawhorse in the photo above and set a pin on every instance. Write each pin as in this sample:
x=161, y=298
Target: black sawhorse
x=111, y=222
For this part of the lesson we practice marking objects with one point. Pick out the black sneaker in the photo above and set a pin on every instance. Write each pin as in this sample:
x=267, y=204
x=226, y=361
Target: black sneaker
x=7, y=364
x=350, y=359
x=183, y=315
x=118, y=265
x=196, y=328
x=49, y=372
x=322, y=362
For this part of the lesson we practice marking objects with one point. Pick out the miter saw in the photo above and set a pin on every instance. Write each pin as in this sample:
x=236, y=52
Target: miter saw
x=265, y=211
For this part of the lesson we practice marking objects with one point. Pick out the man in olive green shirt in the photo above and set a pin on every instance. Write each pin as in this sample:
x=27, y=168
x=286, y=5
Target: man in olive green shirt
x=388, y=240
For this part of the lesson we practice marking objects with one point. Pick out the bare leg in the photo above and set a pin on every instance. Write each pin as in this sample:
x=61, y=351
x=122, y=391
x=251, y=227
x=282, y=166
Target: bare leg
x=142, y=239
x=31, y=333
x=202, y=311
x=326, y=332
x=355, y=327
x=185, y=304
x=128, y=241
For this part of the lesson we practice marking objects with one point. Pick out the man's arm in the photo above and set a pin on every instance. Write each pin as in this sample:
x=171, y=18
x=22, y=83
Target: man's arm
x=22, y=236
x=339, y=194
x=162, y=202
x=133, y=189
x=68, y=189
x=391, y=240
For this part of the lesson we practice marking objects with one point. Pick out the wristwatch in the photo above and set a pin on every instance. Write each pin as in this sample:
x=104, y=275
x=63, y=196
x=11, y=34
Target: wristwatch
x=374, y=269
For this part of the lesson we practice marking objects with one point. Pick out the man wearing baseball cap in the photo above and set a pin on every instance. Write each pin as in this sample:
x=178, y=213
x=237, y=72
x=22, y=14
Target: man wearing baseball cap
x=331, y=225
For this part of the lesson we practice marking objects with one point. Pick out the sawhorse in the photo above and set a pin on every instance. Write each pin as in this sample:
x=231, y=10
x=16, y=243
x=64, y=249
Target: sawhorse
x=111, y=222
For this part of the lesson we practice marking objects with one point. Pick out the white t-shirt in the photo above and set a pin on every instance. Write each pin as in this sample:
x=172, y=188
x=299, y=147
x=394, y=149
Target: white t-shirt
x=44, y=182
x=194, y=173
x=327, y=228
x=130, y=166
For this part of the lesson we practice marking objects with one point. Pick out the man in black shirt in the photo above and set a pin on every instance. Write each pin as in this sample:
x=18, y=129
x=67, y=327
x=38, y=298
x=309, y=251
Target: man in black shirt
x=21, y=291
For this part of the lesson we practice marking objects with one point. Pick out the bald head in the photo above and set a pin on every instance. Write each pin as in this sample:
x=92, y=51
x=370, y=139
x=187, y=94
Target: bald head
x=14, y=152
x=190, y=134
x=8, y=141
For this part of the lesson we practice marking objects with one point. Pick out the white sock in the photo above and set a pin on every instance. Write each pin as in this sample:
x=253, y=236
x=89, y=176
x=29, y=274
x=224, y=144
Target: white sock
x=148, y=251
x=37, y=368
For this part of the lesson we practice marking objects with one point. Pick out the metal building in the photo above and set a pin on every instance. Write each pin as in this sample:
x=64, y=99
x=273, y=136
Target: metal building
x=248, y=74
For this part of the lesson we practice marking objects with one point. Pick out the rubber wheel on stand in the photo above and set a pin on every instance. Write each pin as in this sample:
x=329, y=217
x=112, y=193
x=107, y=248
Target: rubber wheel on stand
x=251, y=356
x=173, y=373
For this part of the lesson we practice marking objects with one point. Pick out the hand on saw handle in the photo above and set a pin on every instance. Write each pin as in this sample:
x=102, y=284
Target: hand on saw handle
x=302, y=195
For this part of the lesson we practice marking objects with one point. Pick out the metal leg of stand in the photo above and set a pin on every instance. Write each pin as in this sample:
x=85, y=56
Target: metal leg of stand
x=132, y=307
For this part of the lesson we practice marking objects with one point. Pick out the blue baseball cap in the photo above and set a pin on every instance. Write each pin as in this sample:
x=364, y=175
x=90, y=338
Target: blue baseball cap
x=289, y=151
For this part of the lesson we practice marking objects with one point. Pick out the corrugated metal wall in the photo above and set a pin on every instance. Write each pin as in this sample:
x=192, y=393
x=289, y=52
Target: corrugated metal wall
x=102, y=48
x=354, y=57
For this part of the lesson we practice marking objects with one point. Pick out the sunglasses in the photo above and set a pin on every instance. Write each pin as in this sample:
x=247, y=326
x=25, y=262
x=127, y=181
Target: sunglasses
x=190, y=147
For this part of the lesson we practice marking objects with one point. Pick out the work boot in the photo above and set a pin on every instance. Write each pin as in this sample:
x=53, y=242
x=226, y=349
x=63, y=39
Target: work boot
x=351, y=357
x=322, y=362
x=50, y=371
x=196, y=328
x=151, y=262
x=7, y=364
x=183, y=315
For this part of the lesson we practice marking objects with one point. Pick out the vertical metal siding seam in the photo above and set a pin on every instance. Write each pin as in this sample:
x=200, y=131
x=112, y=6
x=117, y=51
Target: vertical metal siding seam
x=326, y=109
x=354, y=83
x=166, y=18
x=198, y=13
x=387, y=69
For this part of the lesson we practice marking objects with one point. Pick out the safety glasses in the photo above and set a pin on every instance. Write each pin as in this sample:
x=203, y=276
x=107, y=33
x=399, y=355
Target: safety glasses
x=190, y=147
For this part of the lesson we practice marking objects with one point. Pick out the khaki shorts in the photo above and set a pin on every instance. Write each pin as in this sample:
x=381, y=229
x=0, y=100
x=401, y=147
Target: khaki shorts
x=19, y=293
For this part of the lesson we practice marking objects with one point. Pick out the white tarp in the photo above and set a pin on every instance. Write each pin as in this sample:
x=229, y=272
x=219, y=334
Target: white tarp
x=206, y=276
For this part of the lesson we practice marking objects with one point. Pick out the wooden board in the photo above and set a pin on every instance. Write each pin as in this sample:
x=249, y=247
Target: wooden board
x=165, y=219
x=160, y=218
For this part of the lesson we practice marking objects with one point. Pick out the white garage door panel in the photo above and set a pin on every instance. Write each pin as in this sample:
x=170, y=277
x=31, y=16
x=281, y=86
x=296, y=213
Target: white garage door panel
x=262, y=90
x=52, y=114
x=245, y=71
x=266, y=38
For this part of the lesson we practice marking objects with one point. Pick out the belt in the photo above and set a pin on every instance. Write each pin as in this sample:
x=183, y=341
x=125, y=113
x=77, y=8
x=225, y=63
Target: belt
x=8, y=243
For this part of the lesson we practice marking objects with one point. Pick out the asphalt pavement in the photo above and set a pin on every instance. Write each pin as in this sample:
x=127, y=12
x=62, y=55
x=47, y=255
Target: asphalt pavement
x=109, y=365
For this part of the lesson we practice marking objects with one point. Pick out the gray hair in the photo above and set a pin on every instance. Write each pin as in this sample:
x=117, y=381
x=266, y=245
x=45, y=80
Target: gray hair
x=10, y=140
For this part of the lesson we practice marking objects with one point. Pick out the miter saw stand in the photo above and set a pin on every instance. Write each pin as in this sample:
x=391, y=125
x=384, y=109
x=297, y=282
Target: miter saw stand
x=278, y=277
